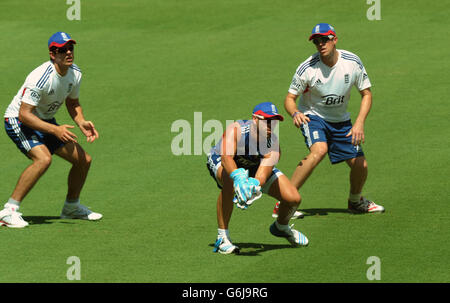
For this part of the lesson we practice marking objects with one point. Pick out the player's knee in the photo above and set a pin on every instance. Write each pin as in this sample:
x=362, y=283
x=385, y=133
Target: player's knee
x=319, y=152
x=85, y=161
x=293, y=197
x=359, y=163
x=88, y=160
x=43, y=161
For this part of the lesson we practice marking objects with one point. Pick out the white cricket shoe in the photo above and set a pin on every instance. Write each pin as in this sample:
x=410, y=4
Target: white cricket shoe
x=11, y=218
x=225, y=247
x=294, y=237
x=364, y=206
x=79, y=211
x=296, y=215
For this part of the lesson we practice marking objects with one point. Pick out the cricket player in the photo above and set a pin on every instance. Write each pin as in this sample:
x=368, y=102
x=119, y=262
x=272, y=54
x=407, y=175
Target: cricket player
x=324, y=82
x=243, y=165
x=30, y=123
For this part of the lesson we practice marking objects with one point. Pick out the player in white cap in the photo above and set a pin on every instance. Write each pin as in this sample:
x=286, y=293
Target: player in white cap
x=324, y=82
x=30, y=123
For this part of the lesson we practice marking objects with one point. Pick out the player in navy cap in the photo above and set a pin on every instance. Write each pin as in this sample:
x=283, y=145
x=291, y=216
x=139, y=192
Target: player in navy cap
x=323, y=82
x=243, y=165
x=30, y=123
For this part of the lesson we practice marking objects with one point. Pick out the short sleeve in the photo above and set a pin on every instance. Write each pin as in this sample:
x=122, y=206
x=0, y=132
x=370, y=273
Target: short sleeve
x=31, y=95
x=298, y=84
x=75, y=93
x=362, y=79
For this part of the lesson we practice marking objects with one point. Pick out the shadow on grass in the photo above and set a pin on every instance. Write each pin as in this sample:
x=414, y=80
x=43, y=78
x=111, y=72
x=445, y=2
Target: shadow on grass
x=323, y=211
x=254, y=249
x=43, y=219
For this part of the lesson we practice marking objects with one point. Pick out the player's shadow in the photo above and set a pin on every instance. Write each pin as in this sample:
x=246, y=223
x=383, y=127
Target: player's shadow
x=323, y=211
x=43, y=220
x=255, y=249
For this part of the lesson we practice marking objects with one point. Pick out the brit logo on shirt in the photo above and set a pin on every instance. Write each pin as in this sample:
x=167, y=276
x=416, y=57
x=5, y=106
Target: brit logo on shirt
x=70, y=87
x=347, y=78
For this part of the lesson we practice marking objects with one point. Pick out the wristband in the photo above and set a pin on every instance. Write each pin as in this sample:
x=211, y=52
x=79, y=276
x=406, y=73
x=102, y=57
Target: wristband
x=294, y=114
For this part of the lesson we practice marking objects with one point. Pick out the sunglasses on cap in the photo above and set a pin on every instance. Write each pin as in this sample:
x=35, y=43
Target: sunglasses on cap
x=322, y=39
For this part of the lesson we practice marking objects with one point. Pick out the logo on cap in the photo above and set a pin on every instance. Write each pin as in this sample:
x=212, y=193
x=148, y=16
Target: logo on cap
x=65, y=37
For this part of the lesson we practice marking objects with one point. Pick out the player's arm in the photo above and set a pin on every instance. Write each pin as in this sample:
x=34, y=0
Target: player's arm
x=229, y=147
x=28, y=118
x=241, y=186
x=266, y=166
x=357, y=131
x=76, y=113
x=290, y=104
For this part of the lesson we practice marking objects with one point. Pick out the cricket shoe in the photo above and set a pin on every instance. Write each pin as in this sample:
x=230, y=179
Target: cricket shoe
x=225, y=247
x=79, y=211
x=11, y=218
x=294, y=237
x=296, y=215
x=364, y=206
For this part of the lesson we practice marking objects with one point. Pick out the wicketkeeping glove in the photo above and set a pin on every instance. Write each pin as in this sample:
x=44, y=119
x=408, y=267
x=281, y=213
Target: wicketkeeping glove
x=241, y=186
x=256, y=194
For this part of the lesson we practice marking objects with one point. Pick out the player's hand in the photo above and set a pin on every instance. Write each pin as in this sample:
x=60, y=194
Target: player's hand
x=241, y=186
x=88, y=129
x=65, y=135
x=357, y=133
x=299, y=118
x=254, y=185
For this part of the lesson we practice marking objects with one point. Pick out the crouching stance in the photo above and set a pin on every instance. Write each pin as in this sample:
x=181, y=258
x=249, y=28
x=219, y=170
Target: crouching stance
x=30, y=123
x=243, y=165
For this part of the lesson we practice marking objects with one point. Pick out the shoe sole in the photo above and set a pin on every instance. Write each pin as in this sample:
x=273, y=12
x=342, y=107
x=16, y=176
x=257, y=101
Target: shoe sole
x=293, y=217
x=2, y=223
x=79, y=218
x=357, y=212
x=234, y=251
x=277, y=233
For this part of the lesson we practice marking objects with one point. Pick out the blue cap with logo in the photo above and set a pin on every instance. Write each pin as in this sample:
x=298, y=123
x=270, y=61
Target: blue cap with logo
x=267, y=110
x=59, y=39
x=323, y=29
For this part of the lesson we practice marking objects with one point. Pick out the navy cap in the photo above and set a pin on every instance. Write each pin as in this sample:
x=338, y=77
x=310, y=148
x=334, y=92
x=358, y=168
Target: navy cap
x=59, y=39
x=323, y=29
x=267, y=110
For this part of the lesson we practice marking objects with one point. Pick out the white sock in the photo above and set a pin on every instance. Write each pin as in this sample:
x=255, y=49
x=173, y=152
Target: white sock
x=12, y=204
x=354, y=198
x=282, y=227
x=223, y=233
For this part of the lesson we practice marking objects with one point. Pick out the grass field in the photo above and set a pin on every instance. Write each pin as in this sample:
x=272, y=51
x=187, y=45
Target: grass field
x=147, y=64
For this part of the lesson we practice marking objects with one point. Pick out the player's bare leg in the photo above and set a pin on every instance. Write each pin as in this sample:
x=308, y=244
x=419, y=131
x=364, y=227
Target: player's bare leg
x=223, y=243
x=283, y=190
x=81, y=162
x=10, y=216
x=304, y=169
x=42, y=158
x=358, y=177
x=225, y=200
x=289, y=198
x=358, y=174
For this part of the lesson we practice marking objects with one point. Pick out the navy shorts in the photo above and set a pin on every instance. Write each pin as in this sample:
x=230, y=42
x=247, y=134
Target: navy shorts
x=214, y=162
x=340, y=147
x=26, y=138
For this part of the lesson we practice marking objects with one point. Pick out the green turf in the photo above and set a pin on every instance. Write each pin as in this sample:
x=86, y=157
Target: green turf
x=147, y=64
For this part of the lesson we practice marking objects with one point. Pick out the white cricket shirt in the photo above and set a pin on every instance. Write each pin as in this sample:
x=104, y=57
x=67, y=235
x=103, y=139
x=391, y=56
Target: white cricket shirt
x=325, y=90
x=47, y=90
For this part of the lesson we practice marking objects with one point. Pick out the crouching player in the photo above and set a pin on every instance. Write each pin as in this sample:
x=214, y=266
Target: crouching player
x=243, y=162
